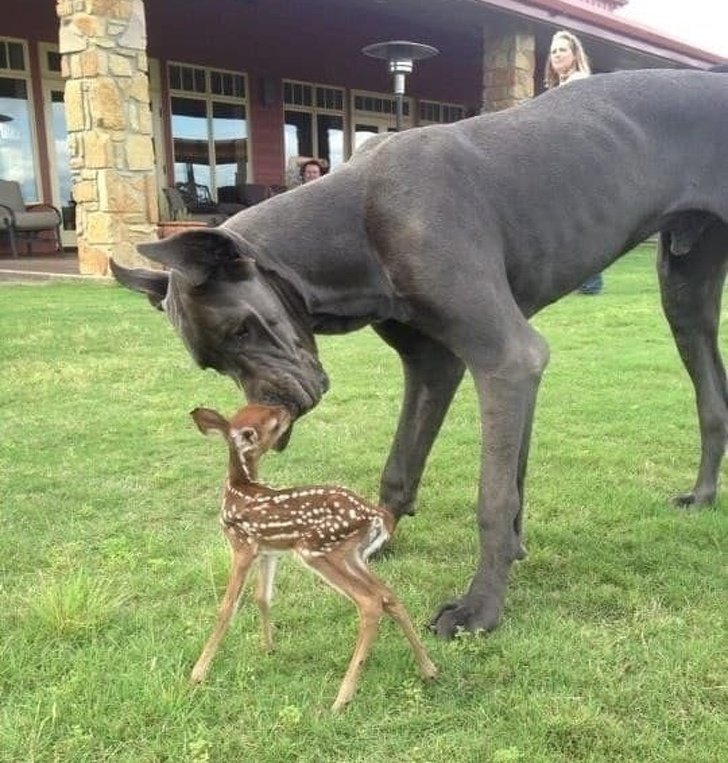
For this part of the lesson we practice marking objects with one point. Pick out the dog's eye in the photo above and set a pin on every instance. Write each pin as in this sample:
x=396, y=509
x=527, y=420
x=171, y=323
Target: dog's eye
x=241, y=333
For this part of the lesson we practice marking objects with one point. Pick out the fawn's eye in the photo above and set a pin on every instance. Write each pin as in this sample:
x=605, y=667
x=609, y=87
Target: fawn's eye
x=249, y=435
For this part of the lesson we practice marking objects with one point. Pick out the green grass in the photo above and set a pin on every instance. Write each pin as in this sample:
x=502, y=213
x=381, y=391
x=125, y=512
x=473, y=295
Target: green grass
x=613, y=646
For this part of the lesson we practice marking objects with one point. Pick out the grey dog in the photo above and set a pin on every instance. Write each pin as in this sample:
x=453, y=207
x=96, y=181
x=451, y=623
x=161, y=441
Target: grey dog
x=447, y=239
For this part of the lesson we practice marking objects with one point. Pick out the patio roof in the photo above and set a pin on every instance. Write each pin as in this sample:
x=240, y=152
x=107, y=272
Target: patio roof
x=585, y=19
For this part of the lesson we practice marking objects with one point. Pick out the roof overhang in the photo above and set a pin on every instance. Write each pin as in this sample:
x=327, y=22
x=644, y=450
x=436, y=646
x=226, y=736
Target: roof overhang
x=608, y=27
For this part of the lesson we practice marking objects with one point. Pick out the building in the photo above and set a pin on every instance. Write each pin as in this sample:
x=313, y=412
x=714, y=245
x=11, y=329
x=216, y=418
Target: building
x=108, y=102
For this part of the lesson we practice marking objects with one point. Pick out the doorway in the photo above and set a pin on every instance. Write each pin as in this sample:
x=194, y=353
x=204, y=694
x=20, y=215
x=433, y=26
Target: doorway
x=57, y=137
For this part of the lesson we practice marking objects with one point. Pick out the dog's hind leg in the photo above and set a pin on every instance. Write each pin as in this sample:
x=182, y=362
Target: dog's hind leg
x=431, y=377
x=692, y=288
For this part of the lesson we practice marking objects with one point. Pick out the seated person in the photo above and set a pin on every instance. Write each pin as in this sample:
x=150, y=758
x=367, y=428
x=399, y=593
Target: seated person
x=312, y=169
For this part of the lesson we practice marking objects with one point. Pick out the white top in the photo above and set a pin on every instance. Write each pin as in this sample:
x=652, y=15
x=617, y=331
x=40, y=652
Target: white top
x=573, y=76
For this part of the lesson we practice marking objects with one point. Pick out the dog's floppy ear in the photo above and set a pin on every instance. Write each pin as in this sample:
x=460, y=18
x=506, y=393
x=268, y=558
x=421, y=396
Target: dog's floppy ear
x=197, y=254
x=153, y=283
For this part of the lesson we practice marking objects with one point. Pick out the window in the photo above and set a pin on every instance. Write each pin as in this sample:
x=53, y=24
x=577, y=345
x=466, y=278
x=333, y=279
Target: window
x=374, y=113
x=12, y=55
x=371, y=103
x=53, y=61
x=17, y=151
x=62, y=181
x=313, y=121
x=57, y=137
x=209, y=129
x=432, y=112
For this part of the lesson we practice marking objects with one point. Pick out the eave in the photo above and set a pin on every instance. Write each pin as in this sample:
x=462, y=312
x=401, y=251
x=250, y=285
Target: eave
x=609, y=27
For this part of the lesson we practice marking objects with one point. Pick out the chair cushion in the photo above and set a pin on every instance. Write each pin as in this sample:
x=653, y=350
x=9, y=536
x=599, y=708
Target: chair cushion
x=35, y=220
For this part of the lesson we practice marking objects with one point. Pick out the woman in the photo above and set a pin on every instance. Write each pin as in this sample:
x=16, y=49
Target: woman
x=568, y=62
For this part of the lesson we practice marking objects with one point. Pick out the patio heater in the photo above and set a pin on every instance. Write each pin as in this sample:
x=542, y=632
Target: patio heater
x=400, y=55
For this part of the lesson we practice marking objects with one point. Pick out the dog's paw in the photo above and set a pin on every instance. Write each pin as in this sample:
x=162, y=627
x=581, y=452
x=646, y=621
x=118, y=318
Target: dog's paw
x=693, y=500
x=684, y=500
x=456, y=616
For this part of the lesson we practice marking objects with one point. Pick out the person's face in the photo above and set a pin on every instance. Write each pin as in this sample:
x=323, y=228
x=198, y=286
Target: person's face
x=311, y=172
x=562, y=56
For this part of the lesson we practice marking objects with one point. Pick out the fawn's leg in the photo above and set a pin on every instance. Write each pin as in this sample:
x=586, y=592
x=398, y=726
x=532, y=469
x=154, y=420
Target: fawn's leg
x=396, y=610
x=243, y=556
x=264, y=596
x=336, y=573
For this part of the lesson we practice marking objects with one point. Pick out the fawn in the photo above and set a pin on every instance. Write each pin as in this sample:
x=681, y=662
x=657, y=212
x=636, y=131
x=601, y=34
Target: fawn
x=330, y=529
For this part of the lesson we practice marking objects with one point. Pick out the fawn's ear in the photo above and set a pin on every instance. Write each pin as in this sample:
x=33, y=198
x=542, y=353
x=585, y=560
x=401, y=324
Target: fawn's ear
x=207, y=420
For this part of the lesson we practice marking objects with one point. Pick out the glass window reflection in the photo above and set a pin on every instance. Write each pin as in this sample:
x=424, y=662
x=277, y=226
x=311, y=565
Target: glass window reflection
x=331, y=138
x=62, y=165
x=16, y=143
x=298, y=134
x=209, y=131
x=313, y=126
x=362, y=133
x=190, y=141
x=229, y=130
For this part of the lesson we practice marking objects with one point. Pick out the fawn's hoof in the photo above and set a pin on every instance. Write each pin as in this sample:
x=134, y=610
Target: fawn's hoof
x=429, y=672
x=198, y=675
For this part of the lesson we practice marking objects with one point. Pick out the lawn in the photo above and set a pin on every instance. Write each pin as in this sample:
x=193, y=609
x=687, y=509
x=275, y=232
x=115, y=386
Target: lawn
x=613, y=645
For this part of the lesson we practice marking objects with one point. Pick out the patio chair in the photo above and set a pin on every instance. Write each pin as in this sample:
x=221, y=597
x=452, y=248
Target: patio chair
x=179, y=210
x=234, y=198
x=254, y=193
x=19, y=220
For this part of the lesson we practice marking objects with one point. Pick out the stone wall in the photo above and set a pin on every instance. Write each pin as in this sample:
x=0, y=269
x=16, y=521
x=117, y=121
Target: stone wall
x=509, y=67
x=104, y=60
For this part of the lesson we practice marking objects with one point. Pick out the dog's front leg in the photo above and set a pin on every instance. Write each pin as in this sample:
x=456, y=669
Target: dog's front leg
x=431, y=376
x=507, y=391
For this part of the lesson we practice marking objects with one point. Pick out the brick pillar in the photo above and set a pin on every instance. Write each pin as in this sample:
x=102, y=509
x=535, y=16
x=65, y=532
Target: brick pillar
x=509, y=67
x=104, y=60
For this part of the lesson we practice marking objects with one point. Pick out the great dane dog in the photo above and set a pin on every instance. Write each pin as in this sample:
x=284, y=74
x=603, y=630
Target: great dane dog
x=447, y=239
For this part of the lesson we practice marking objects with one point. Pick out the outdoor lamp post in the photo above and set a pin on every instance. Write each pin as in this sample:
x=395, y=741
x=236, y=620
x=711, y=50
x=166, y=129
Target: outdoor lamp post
x=400, y=55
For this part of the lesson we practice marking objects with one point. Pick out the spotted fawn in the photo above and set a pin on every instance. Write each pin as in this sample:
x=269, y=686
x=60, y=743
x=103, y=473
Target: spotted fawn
x=330, y=529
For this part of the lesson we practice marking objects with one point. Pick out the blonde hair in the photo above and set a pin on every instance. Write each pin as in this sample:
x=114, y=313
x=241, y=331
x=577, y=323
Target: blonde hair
x=581, y=62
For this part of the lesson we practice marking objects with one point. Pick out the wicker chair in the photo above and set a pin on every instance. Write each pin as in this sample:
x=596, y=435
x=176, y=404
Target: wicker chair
x=19, y=220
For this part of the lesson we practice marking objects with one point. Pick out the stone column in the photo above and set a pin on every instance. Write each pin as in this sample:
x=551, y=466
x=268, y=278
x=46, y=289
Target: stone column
x=509, y=67
x=104, y=60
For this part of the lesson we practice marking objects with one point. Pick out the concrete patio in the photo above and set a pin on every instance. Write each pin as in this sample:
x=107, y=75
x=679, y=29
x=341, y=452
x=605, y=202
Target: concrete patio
x=62, y=266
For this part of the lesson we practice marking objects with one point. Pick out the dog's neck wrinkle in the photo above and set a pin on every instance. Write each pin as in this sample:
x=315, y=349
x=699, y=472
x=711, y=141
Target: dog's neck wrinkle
x=292, y=301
